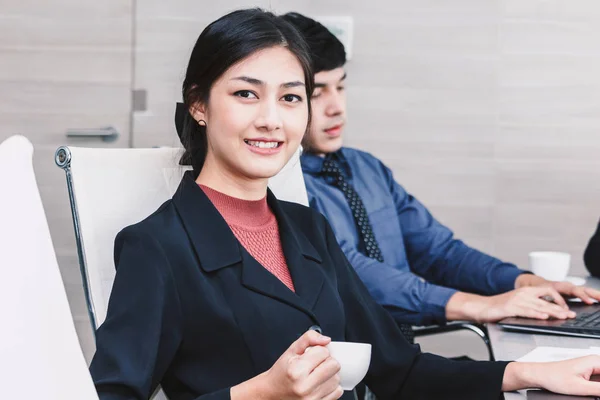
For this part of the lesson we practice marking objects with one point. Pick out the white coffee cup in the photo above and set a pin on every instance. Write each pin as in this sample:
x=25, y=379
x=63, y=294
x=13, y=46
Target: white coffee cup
x=354, y=359
x=550, y=265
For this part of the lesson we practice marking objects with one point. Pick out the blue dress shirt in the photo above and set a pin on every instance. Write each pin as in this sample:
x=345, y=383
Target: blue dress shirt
x=424, y=265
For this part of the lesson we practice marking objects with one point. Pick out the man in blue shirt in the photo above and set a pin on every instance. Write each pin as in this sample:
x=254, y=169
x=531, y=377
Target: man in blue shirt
x=411, y=263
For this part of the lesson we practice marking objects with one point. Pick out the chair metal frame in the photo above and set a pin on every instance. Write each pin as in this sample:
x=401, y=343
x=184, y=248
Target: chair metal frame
x=62, y=159
x=479, y=329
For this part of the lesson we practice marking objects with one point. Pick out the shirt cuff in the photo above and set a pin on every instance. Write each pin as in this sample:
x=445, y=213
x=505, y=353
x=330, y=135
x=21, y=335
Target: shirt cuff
x=506, y=277
x=223, y=394
x=434, y=303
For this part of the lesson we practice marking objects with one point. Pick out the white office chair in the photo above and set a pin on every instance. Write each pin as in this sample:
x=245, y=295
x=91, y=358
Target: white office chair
x=40, y=355
x=110, y=189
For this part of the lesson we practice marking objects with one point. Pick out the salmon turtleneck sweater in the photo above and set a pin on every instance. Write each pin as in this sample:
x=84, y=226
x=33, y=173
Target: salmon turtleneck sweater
x=255, y=226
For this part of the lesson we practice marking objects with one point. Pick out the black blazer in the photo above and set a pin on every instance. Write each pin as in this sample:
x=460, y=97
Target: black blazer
x=591, y=256
x=192, y=310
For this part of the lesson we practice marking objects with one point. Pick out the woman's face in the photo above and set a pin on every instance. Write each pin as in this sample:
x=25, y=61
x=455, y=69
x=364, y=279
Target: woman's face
x=256, y=115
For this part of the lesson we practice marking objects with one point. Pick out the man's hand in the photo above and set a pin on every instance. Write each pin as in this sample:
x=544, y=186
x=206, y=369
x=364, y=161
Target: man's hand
x=587, y=295
x=526, y=302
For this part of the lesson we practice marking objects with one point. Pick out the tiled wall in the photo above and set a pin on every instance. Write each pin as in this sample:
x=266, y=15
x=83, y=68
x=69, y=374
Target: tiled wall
x=547, y=145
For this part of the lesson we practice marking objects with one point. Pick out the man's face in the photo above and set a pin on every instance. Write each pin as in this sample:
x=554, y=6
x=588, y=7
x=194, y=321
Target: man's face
x=328, y=113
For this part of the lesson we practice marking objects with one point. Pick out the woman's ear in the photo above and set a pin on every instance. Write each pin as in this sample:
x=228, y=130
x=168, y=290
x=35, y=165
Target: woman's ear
x=198, y=112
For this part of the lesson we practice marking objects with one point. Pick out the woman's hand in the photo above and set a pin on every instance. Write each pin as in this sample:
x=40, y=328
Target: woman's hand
x=571, y=377
x=305, y=371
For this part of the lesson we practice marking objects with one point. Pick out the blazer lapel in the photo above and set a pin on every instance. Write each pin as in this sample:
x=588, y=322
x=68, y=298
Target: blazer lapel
x=302, y=258
x=214, y=243
x=217, y=247
x=256, y=278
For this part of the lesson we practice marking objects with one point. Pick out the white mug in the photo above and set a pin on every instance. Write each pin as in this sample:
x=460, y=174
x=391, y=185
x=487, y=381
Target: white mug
x=550, y=265
x=354, y=359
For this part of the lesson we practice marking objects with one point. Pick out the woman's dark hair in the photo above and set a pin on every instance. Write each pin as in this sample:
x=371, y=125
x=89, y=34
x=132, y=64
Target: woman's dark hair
x=222, y=44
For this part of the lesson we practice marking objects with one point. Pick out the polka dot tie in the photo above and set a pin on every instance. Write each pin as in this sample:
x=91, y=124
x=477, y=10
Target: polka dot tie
x=359, y=212
x=332, y=169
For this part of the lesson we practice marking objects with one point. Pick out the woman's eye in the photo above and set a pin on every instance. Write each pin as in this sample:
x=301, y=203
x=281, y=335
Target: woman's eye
x=341, y=88
x=292, y=98
x=246, y=94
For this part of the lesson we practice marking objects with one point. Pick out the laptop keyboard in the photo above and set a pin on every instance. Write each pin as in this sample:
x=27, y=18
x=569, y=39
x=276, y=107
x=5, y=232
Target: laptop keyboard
x=589, y=320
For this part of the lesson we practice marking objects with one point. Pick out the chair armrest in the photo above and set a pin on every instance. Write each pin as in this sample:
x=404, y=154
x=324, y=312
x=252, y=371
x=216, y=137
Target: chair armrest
x=478, y=329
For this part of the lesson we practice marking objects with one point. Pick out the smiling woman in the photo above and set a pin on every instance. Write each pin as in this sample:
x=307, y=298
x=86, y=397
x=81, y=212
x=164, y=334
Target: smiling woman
x=249, y=102
x=255, y=117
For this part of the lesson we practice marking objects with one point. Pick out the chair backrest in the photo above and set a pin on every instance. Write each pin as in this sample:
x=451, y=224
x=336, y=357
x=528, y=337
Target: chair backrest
x=40, y=355
x=113, y=188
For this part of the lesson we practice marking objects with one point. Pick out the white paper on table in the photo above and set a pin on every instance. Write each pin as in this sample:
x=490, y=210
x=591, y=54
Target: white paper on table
x=548, y=354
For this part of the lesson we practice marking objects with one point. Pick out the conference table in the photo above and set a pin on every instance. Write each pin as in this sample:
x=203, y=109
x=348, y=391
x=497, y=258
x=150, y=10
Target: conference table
x=509, y=346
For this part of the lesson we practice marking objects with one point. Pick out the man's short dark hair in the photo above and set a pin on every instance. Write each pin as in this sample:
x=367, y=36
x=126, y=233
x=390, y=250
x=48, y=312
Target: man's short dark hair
x=326, y=50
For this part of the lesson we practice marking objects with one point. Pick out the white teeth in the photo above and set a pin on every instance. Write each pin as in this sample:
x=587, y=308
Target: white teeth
x=262, y=145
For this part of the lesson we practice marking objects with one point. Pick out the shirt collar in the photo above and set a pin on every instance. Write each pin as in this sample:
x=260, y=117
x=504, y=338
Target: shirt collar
x=313, y=164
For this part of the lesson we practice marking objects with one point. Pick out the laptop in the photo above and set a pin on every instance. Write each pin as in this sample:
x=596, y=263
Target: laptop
x=585, y=324
x=543, y=395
